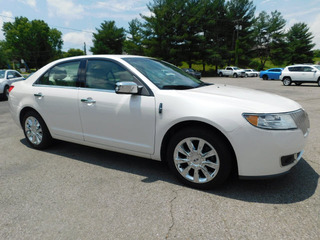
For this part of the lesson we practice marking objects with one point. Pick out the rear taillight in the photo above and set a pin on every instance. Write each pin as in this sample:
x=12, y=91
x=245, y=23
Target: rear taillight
x=10, y=88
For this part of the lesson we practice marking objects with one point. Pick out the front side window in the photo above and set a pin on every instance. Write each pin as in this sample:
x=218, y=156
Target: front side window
x=103, y=74
x=64, y=74
x=307, y=69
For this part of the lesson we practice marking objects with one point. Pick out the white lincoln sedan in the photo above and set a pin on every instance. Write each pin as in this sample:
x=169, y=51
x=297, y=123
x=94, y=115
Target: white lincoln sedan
x=149, y=108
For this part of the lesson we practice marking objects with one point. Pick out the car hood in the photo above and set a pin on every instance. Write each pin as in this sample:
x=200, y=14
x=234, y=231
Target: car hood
x=248, y=100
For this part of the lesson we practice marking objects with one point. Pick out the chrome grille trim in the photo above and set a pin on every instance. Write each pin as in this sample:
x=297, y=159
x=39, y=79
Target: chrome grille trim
x=301, y=119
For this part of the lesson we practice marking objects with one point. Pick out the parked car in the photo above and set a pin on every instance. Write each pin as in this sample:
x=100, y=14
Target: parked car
x=272, y=73
x=149, y=108
x=299, y=74
x=192, y=72
x=231, y=71
x=251, y=73
x=7, y=77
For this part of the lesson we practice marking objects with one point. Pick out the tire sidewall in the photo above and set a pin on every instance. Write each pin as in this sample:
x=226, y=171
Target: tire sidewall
x=219, y=144
x=286, y=81
x=46, y=136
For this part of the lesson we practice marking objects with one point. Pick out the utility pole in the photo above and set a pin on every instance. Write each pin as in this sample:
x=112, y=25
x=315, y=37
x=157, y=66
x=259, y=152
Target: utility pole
x=84, y=48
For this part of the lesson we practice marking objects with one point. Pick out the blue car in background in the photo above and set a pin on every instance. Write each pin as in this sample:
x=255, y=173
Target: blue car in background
x=272, y=73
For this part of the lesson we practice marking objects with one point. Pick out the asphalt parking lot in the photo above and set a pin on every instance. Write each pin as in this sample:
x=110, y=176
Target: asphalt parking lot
x=75, y=192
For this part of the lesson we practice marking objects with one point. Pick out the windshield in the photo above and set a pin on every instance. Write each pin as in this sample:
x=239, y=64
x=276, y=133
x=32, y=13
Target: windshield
x=2, y=73
x=164, y=75
x=318, y=67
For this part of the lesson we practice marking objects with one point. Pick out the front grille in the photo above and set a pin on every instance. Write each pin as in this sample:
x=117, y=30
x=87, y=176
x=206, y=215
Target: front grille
x=301, y=119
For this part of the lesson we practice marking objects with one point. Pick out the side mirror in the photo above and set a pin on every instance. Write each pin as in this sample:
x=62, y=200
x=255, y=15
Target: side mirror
x=9, y=76
x=128, y=88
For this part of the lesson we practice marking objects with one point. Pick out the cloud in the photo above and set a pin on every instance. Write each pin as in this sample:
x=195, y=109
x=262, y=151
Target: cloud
x=77, y=40
x=314, y=28
x=31, y=3
x=6, y=16
x=65, y=9
x=120, y=6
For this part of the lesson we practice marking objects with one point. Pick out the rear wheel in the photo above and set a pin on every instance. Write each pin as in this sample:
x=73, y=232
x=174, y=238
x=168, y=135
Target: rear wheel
x=36, y=131
x=220, y=74
x=286, y=81
x=298, y=83
x=319, y=82
x=265, y=77
x=199, y=158
x=5, y=94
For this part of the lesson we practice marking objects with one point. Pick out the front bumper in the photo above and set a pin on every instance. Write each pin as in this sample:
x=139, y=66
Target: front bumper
x=263, y=153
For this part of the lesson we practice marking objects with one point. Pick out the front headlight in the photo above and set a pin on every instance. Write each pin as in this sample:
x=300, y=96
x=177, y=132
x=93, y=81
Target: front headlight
x=276, y=121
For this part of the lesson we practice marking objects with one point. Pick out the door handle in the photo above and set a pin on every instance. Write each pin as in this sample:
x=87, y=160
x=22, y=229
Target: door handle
x=40, y=95
x=88, y=100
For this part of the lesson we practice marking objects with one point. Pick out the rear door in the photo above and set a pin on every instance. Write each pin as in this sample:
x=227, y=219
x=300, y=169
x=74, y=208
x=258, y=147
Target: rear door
x=56, y=97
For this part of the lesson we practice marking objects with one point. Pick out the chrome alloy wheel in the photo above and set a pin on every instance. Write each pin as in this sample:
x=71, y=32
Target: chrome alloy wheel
x=33, y=130
x=196, y=160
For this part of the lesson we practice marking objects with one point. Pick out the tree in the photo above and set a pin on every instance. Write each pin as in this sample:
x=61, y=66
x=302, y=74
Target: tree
x=72, y=52
x=33, y=41
x=133, y=43
x=3, y=55
x=268, y=31
x=240, y=14
x=316, y=53
x=109, y=39
x=215, y=45
x=300, y=44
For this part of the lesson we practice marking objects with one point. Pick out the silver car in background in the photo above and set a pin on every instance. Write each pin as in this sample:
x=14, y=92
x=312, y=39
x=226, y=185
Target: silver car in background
x=7, y=77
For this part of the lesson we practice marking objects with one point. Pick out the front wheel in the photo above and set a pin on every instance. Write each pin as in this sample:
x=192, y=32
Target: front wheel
x=319, y=82
x=220, y=74
x=36, y=131
x=199, y=158
x=265, y=77
x=286, y=81
x=235, y=75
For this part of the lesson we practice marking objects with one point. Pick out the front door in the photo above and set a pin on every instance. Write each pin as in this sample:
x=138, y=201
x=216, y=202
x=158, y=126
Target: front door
x=121, y=121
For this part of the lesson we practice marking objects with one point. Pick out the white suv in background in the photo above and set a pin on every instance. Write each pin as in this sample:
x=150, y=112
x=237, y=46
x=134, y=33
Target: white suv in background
x=299, y=74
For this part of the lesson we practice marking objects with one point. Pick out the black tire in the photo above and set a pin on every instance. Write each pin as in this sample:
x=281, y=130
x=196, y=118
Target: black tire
x=265, y=77
x=220, y=74
x=286, y=81
x=235, y=75
x=5, y=94
x=319, y=82
x=36, y=131
x=297, y=83
x=197, y=170
x=247, y=75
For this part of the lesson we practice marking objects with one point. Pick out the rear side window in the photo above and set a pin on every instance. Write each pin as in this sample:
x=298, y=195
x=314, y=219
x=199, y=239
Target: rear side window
x=296, y=69
x=64, y=74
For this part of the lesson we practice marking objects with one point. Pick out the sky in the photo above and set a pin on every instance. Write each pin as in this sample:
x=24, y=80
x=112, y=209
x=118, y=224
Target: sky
x=78, y=19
